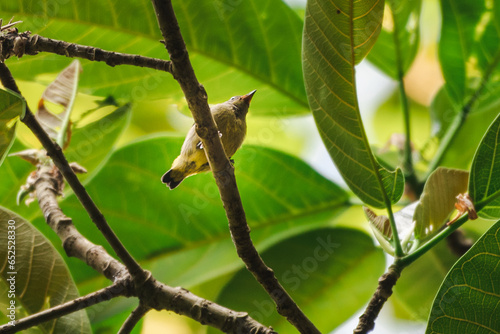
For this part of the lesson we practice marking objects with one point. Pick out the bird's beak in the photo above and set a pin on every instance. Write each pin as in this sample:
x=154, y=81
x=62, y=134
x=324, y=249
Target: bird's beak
x=247, y=98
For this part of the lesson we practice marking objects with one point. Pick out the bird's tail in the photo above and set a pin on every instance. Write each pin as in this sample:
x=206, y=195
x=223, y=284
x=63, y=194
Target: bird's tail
x=172, y=178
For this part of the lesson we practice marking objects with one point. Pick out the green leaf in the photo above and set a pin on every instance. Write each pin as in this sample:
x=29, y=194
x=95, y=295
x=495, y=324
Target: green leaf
x=41, y=277
x=470, y=57
x=234, y=46
x=317, y=268
x=468, y=299
x=399, y=39
x=438, y=200
x=337, y=35
x=90, y=146
x=11, y=107
x=484, y=184
x=282, y=196
x=469, y=45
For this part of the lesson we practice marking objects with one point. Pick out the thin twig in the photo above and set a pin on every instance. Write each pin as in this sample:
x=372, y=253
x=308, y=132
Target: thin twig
x=55, y=152
x=137, y=314
x=32, y=45
x=61, y=310
x=384, y=290
x=222, y=169
x=8, y=25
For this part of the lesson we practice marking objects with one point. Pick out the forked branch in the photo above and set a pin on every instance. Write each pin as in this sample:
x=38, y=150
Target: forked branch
x=151, y=293
x=222, y=169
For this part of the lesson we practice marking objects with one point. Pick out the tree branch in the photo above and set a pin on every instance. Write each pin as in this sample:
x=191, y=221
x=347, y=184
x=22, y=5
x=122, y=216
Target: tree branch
x=222, y=169
x=55, y=152
x=61, y=310
x=150, y=292
x=137, y=314
x=384, y=290
x=48, y=180
x=32, y=45
x=183, y=302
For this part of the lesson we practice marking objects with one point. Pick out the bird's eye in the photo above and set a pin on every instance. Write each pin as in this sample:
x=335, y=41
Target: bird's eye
x=233, y=98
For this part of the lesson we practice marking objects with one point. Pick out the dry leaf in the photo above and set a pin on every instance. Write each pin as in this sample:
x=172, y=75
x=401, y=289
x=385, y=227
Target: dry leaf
x=61, y=91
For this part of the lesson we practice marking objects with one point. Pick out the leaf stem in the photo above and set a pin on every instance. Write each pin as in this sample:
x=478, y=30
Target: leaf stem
x=460, y=118
x=410, y=258
x=63, y=131
x=398, y=249
x=408, y=160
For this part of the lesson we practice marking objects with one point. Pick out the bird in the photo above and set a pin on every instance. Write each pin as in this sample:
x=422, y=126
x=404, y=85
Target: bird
x=230, y=117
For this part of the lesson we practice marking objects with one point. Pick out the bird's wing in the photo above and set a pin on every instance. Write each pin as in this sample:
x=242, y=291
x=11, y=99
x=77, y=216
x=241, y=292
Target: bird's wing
x=200, y=144
x=191, y=142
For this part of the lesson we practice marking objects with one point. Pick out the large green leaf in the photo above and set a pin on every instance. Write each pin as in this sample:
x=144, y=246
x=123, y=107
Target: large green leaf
x=90, y=146
x=235, y=47
x=183, y=234
x=468, y=300
x=469, y=45
x=318, y=269
x=11, y=107
x=469, y=53
x=484, y=183
x=41, y=277
x=337, y=35
x=399, y=39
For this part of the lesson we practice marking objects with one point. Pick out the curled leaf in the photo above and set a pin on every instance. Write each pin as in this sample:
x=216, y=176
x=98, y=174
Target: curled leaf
x=11, y=107
x=381, y=227
x=62, y=91
x=464, y=204
x=381, y=223
x=77, y=168
x=33, y=156
x=27, y=189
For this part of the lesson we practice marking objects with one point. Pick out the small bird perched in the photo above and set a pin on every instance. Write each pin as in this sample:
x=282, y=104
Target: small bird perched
x=230, y=119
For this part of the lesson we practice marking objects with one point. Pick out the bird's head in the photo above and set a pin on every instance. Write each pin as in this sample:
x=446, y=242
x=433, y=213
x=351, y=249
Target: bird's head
x=242, y=103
